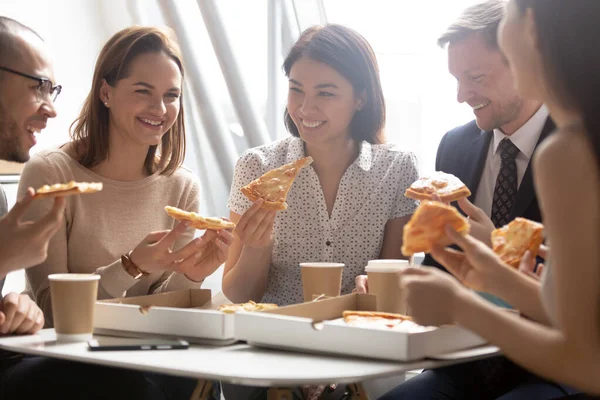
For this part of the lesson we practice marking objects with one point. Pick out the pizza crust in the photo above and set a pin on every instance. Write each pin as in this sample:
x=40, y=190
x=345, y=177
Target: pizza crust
x=198, y=221
x=511, y=241
x=349, y=315
x=250, y=306
x=426, y=227
x=273, y=186
x=380, y=320
x=447, y=186
x=67, y=189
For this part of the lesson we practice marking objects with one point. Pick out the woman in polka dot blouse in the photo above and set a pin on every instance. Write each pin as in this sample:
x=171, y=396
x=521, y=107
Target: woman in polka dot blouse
x=348, y=206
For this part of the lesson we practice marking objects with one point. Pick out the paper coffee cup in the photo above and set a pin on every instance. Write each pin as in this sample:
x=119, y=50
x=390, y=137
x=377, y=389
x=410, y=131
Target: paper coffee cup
x=73, y=302
x=383, y=283
x=321, y=278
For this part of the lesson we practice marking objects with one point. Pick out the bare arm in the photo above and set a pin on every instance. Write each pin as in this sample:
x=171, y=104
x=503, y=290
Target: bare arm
x=545, y=351
x=392, y=238
x=480, y=269
x=247, y=267
x=568, y=352
x=523, y=292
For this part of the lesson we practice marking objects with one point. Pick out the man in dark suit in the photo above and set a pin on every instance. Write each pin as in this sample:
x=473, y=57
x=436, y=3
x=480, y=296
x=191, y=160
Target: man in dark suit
x=491, y=155
x=465, y=153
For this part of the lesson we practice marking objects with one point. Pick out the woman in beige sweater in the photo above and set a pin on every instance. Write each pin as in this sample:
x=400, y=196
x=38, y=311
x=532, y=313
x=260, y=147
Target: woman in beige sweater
x=130, y=136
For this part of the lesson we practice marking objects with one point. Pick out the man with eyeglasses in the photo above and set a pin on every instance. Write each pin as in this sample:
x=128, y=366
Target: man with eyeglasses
x=26, y=104
x=27, y=95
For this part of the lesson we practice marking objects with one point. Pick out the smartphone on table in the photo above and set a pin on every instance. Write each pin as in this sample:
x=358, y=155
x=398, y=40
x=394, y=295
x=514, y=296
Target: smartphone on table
x=121, y=343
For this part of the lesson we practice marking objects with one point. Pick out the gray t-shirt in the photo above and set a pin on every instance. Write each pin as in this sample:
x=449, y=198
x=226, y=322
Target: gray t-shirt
x=3, y=210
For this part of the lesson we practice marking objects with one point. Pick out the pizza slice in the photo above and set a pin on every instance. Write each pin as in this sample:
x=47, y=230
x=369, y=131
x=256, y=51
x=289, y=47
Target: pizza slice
x=198, y=221
x=67, y=189
x=250, y=306
x=426, y=227
x=512, y=241
x=352, y=315
x=375, y=320
x=447, y=186
x=274, y=185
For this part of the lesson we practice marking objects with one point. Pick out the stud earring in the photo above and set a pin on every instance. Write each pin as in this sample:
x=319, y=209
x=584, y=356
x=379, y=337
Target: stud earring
x=106, y=104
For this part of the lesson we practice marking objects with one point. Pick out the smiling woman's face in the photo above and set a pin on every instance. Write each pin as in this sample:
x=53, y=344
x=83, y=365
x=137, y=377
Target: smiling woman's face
x=321, y=102
x=144, y=105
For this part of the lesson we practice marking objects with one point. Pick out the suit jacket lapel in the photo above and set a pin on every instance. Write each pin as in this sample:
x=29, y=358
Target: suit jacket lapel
x=526, y=192
x=474, y=162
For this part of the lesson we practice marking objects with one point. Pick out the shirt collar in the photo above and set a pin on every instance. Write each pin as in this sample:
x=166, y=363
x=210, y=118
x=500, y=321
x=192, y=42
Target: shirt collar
x=295, y=150
x=527, y=136
x=364, y=159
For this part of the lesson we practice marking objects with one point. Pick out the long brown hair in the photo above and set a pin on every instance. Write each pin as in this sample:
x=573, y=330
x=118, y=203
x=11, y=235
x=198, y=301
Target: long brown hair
x=346, y=51
x=90, y=130
x=569, y=44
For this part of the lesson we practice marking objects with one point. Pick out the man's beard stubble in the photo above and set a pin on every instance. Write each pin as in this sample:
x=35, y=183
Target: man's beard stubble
x=508, y=114
x=10, y=139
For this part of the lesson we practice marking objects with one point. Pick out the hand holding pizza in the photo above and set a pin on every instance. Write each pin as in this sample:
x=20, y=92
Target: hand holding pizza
x=431, y=295
x=477, y=266
x=528, y=265
x=25, y=244
x=212, y=251
x=481, y=225
x=155, y=254
x=255, y=227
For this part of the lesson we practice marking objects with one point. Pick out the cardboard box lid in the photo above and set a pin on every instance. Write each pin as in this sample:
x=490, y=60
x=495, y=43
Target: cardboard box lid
x=189, y=298
x=312, y=327
x=328, y=309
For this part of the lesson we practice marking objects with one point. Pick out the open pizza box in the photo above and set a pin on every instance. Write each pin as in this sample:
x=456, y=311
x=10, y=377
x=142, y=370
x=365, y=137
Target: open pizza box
x=319, y=327
x=186, y=314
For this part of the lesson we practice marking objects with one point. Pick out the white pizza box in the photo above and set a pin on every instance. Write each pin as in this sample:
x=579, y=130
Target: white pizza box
x=186, y=314
x=316, y=327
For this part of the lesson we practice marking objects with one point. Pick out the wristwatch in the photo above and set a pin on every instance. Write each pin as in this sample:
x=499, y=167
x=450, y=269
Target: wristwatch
x=131, y=268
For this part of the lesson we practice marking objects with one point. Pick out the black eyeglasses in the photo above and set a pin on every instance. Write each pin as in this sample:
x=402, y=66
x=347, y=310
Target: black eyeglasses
x=45, y=87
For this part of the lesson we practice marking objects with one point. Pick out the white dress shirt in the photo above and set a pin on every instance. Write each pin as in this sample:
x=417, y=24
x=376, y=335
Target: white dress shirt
x=525, y=138
x=370, y=193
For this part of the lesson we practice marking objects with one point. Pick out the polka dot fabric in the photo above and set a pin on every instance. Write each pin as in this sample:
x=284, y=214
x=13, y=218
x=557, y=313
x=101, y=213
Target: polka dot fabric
x=370, y=193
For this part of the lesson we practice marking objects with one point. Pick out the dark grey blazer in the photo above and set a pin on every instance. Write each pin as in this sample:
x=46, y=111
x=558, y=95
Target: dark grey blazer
x=463, y=152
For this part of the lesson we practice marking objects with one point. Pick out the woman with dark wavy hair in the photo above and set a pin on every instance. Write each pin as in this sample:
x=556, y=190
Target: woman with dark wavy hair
x=552, y=47
x=349, y=205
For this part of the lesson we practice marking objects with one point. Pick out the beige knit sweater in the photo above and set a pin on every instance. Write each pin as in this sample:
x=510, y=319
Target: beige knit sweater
x=98, y=228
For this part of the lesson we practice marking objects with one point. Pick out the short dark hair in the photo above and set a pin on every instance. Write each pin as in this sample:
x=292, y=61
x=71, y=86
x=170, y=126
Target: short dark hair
x=570, y=58
x=349, y=53
x=9, y=28
x=483, y=18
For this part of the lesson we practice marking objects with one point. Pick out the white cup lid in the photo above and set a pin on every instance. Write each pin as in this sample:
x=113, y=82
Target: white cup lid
x=73, y=277
x=322, y=265
x=386, y=265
